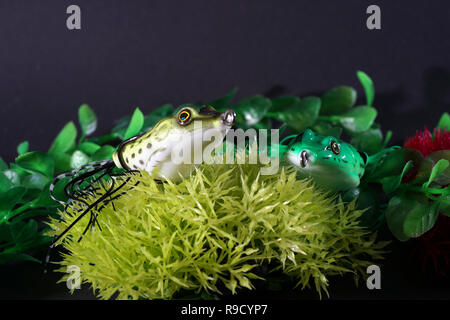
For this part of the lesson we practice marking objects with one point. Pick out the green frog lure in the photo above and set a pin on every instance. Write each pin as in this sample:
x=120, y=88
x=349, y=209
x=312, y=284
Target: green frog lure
x=151, y=152
x=331, y=163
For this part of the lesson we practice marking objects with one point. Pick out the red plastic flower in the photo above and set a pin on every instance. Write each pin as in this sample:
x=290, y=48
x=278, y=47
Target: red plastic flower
x=426, y=143
x=433, y=246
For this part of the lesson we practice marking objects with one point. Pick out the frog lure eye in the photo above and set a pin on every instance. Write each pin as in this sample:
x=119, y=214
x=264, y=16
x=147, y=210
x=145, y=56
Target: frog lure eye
x=151, y=152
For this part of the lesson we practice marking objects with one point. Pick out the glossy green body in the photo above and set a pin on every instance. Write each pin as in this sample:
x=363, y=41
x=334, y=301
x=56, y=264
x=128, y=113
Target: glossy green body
x=331, y=163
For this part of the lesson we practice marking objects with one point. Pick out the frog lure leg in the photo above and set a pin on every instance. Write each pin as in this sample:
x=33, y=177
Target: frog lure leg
x=151, y=152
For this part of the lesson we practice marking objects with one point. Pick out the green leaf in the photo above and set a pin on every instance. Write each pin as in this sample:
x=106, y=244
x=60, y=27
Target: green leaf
x=251, y=110
x=444, y=178
x=409, y=217
x=390, y=184
x=387, y=138
x=78, y=159
x=33, y=213
x=15, y=256
x=65, y=140
x=284, y=103
x=121, y=125
x=324, y=128
x=24, y=231
x=44, y=200
x=11, y=197
x=444, y=205
x=104, y=153
x=358, y=119
x=444, y=122
x=338, y=100
x=89, y=147
x=369, y=141
x=12, y=176
x=367, y=85
x=368, y=200
x=3, y=165
x=35, y=181
x=5, y=232
x=384, y=165
x=37, y=161
x=23, y=147
x=62, y=162
x=424, y=171
x=136, y=123
x=87, y=119
x=224, y=101
x=301, y=115
x=420, y=219
x=5, y=183
x=437, y=170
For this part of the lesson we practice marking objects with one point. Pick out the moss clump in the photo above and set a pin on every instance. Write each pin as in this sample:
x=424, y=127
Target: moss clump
x=214, y=228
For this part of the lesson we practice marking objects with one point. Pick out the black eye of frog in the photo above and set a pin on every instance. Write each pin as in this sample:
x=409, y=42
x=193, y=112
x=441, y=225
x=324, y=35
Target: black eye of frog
x=335, y=147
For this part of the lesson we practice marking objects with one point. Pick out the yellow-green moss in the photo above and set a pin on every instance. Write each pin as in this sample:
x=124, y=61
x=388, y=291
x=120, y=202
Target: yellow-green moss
x=215, y=227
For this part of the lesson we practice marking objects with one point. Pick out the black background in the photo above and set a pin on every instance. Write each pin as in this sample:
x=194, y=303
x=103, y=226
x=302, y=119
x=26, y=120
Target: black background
x=132, y=54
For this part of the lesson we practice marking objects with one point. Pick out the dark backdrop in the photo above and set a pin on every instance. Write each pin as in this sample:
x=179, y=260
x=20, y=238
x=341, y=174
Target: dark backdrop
x=132, y=54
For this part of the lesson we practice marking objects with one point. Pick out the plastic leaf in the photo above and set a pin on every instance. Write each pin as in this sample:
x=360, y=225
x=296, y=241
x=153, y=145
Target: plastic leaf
x=437, y=170
x=87, y=119
x=62, y=162
x=387, y=138
x=3, y=165
x=16, y=256
x=324, y=128
x=251, y=110
x=301, y=116
x=382, y=165
x=35, y=181
x=338, y=100
x=444, y=122
x=444, y=177
x=78, y=159
x=11, y=197
x=104, y=153
x=37, y=161
x=390, y=184
x=136, y=123
x=12, y=176
x=24, y=231
x=369, y=141
x=408, y=217
x=284, y=103
x=5, y=183
x=424, y=171
x=23, y=147
x=358, y=119
x=367, y=85
x=89, y=147
x=444, y=205
x=65, y=140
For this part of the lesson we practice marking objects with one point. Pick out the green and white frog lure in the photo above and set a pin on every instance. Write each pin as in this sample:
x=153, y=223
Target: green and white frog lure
x=151, y=152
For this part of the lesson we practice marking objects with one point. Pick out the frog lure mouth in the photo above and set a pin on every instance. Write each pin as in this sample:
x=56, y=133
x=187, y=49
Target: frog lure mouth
x=152, y=152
